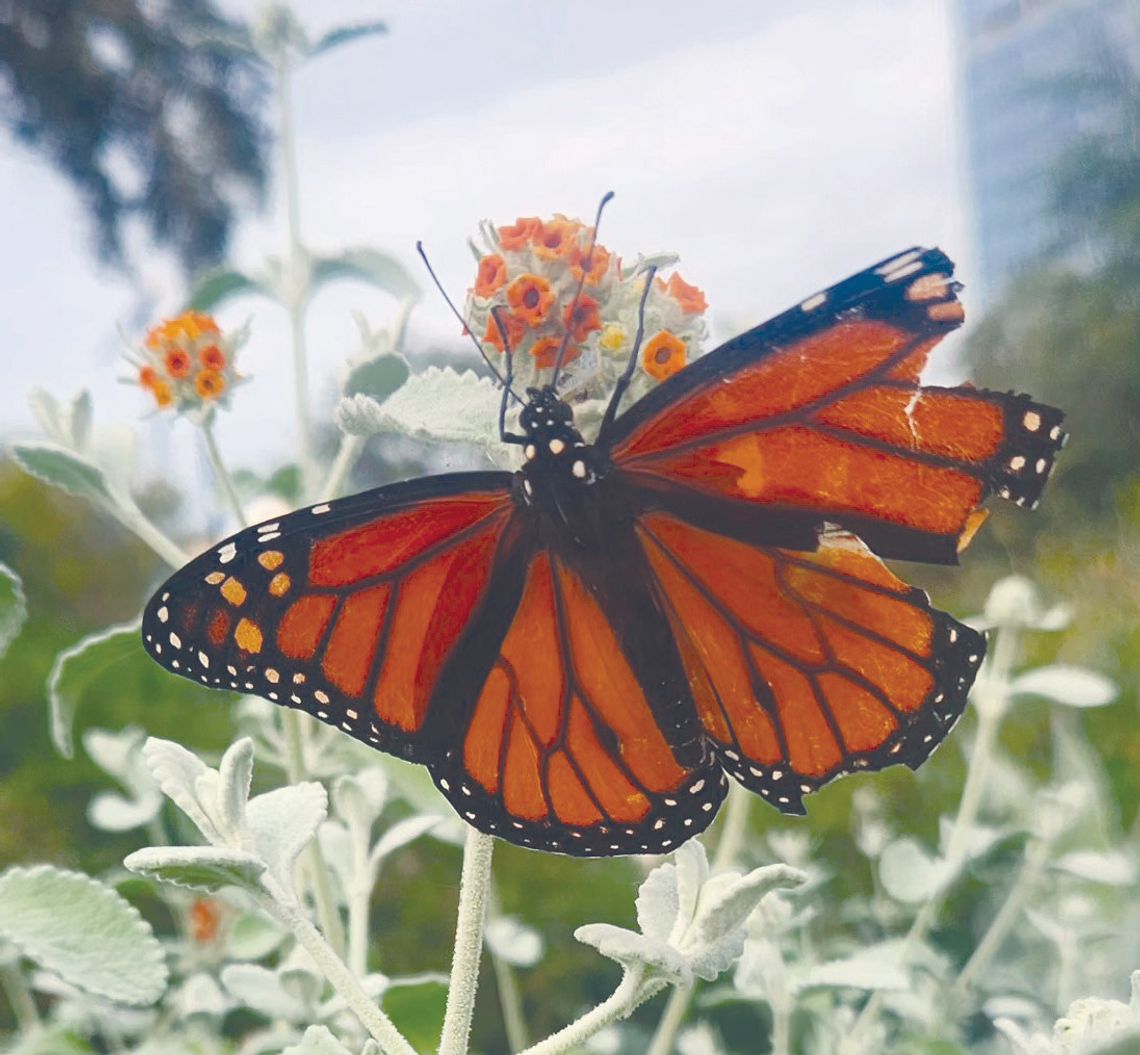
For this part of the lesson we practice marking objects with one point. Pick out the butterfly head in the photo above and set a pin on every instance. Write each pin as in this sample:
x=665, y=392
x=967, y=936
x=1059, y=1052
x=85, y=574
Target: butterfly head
x=554, y=448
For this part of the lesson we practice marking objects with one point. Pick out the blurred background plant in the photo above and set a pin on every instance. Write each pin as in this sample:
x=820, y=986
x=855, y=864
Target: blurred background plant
x=964, y=911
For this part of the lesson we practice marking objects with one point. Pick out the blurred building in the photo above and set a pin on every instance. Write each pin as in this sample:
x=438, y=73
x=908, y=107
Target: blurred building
x=1022, y=64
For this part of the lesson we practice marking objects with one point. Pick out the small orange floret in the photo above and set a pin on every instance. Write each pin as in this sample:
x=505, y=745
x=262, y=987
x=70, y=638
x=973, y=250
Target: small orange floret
x=545, y=352
x=177, y=362
x=148, y=377
x=599, y=263
x=212, y=357
x=520, y=233
x=205, y=920
x=691, y=299
x=209, y=384
x=162, y=393
x=515, y=329
x=557, y=239
x=189, y=326
x=664, y=355
x=582, y=318
x=530, y=298
x=492, y=274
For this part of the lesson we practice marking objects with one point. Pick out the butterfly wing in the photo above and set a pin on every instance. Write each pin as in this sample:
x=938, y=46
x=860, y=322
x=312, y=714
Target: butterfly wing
x=348, y=609
x=804, y=666
x=818, y=416
x=578, y=735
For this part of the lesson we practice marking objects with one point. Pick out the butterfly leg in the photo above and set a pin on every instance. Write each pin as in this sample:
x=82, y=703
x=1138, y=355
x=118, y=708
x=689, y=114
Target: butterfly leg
x=508, y=351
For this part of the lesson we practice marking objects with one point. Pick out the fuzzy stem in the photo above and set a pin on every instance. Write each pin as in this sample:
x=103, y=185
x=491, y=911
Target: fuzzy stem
x=1036, y=854
x=474, y=885
x=676, y=1008
x=133, y=520
x=222, y=473
x=507, y=986
x=347, y=455
x=991, y=700
x=734, y=827
x=288, y=912
x=296, y=267
x=621, y=1003
x=20, y=998
x=511, y=1004
x=296, y=770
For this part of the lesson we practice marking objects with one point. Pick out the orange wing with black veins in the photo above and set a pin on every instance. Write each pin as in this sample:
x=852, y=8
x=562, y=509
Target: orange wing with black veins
x=820, y=413
x=570, y=744
x=805, y=666
x=347, y=609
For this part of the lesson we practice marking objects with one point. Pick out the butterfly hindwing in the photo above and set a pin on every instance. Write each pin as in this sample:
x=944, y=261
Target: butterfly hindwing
x=347, y=609
x=581, y=737
x=805, y=666
x=818, y=414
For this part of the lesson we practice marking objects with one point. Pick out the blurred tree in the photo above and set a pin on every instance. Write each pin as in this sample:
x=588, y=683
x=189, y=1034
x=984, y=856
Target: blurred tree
x=1072, y=325
x=128, y=101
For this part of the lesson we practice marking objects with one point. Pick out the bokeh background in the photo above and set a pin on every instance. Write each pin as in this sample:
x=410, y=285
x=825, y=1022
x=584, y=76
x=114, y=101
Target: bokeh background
x=775, y=147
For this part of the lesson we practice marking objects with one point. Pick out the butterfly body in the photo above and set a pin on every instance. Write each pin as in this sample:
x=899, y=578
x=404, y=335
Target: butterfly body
x=585, y=651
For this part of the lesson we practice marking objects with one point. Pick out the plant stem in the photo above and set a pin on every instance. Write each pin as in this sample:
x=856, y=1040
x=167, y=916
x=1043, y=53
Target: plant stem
x=296, y=770
x=510, y=1003
x=622, y=1002
x=222, y=473
x=676, y=1008
x=296, y=278
x=507, y=986
x=991, y=699
x=1036, y=854
x=734, y=827
x=474, y=885
x=133, y=520
x=20, y=998
x=347, y=455
x=288, y=912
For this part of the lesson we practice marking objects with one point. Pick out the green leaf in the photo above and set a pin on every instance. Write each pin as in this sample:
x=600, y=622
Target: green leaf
x=378, y=377
x=76, y=667
x=206, y=868
x=417, y=1011
x=216, y=287
x=62, y=468
x=13, y=607
x=334, y=38
x=365, y=265
x=83, y=931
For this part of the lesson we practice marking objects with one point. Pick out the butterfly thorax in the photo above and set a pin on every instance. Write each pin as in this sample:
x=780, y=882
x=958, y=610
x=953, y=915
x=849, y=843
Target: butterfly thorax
x=560, y=468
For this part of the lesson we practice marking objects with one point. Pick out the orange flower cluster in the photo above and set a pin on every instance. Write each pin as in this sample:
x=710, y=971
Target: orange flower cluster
x=531, y=271
x=186, y=363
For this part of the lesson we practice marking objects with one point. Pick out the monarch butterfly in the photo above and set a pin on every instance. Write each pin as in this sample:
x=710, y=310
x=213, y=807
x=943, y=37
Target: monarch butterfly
x=582, y=652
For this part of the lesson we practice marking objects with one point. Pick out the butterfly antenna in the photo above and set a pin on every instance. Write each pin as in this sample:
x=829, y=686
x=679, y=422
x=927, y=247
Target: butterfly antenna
x=581, y=285
x=627, y=374
x=506, y=437
x=462, y=321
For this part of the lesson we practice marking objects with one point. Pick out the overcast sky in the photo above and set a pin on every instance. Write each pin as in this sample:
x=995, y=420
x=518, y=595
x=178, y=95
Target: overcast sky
x=777, y=147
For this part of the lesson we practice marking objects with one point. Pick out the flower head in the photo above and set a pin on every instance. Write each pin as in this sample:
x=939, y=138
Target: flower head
x=187, y=364
x=530, y=298
x=663, y=355
x=550, y=280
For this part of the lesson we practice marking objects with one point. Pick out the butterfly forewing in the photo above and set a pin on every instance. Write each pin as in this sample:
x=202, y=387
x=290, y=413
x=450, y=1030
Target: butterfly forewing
x=819, y=413
x=347, y=610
